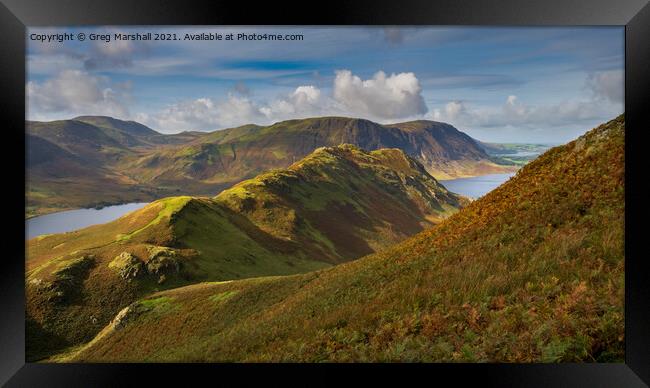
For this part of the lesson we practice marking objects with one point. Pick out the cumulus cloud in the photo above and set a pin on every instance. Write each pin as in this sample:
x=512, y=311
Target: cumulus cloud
x=77, y=92
x=210, y=114
x=385, y=97
x=381, y=98
x=204, y=114
x=607, y=85
x=304, y=101
x=453, y=110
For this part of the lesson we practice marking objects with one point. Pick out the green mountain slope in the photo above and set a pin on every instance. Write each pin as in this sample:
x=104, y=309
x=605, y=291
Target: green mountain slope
x=75, y=163
x=532, y=271
x=224, y=157
x=145, y=135
x=136, y=163
x=131, y=127
x=93, y=144
x=337, y=204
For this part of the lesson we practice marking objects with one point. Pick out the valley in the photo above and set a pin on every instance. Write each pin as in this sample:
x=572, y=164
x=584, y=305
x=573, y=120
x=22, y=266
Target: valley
x=533, y=271
x=358, y=194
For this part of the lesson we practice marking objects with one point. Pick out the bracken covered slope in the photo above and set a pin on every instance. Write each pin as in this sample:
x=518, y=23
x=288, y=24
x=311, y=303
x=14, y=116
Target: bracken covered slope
x=336, y=205
x=532, y=271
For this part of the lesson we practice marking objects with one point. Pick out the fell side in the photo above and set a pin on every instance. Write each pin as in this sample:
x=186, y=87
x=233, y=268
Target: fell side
x=531, y=272
x=336, y=205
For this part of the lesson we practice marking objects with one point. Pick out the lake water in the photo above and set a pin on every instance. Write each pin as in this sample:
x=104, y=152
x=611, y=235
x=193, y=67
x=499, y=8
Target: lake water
x=70, y=220
x=476, y=187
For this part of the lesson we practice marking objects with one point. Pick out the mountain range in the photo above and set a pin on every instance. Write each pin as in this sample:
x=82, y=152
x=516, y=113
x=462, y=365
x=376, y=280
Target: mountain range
x=335, y=205
x=94, y=161
x=531, y=272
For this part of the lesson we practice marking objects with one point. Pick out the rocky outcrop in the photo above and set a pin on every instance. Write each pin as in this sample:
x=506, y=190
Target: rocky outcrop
x=162, y=262
x=128, y=266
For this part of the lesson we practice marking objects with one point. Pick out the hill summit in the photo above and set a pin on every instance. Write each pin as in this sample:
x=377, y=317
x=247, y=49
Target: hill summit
x=335, y=205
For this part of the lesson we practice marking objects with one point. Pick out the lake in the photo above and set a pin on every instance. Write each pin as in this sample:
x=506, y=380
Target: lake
x=70, y=220
x=476, y=187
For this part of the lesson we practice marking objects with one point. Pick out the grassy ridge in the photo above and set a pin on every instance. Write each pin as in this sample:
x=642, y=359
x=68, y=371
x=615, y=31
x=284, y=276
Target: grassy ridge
x=336, y=205
x=532, y=271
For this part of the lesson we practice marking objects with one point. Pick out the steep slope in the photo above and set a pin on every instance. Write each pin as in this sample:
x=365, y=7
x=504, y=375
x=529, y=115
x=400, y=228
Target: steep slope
x=532, y=271
x=336, y=205
x=355, y=201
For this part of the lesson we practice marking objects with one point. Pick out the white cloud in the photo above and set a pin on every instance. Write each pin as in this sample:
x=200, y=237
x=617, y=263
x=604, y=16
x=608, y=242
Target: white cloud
x=209, y=114
x=302, y=102
x=76, y=92
x=381, y=98
x=453, y=110
x=204, y=114
x=393, y=97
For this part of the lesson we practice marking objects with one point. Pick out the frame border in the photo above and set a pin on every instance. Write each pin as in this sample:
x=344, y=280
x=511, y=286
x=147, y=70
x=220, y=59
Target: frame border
x=15, y=15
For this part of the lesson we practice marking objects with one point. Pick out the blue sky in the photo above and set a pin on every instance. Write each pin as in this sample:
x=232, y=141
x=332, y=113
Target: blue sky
x=496, y=84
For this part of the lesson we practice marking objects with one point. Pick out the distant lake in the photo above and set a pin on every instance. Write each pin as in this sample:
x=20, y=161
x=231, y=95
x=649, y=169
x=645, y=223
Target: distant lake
x=477, y=186
x=70, y=220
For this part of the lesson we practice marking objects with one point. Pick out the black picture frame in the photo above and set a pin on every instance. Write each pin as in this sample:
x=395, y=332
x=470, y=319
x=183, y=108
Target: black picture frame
x=15, y=15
